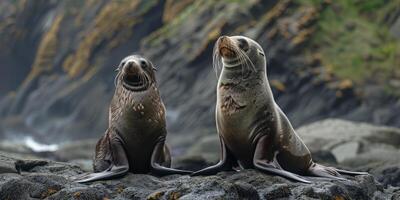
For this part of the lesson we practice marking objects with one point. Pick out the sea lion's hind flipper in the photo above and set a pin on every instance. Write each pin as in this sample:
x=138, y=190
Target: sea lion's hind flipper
x=226, y=162
x=113, y=172
x=269, y=168
x=114, y=154
x=157, y=159
x=351, y=173
x=266, y=162
x=323, y=171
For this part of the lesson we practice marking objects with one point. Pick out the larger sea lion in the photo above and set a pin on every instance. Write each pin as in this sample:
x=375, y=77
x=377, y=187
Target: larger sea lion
x=253, y=130
x=135, y=139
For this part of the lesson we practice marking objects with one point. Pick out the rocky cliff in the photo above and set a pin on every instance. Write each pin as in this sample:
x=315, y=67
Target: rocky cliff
x=57, y=60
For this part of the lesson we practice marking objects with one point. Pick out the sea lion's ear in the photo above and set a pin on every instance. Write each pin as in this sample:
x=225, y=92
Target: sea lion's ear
x=154, y=68
x=260, y=52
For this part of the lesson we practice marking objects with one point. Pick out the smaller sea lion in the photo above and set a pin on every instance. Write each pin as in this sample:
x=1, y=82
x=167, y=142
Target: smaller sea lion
x=253, y=130
x=135, y=138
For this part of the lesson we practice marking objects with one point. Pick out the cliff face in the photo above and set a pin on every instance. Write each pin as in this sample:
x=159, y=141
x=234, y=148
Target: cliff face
x=58, y=59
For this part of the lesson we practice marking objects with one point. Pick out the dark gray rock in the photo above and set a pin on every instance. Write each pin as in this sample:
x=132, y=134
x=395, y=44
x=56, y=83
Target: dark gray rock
x=7, y=165
x=352, y=142
x=41, y=179
x=358, y=146
x=82, y=149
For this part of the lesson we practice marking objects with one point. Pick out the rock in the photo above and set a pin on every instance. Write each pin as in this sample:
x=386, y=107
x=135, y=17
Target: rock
x=352, y=141
x=76, y=150
x=7, y=165
x=357, y=146
x=208, y=147
x=51, y=180
x=346, y=151
x=15, y=147
x=388, y=174
x=191, y=162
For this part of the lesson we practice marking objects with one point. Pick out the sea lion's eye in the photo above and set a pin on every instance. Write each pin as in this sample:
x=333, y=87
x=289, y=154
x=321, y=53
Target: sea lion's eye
x=242, y=43
x=122, y=64
x=143, y=63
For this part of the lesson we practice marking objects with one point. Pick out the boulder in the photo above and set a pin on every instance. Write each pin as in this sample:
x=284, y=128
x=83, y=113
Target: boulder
x=353, y=143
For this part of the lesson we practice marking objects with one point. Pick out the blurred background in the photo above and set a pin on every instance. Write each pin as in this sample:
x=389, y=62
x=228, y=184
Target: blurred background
x=326, y=59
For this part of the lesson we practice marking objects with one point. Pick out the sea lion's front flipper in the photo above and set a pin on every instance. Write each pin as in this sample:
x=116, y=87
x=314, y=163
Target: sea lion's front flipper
x=157, y=158
x=225, y=164
x=322, y=171
x=269, y=164
x=119, y=165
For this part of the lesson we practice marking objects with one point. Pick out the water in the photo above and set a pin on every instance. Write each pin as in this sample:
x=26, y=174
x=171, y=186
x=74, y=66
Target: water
x=39, y=147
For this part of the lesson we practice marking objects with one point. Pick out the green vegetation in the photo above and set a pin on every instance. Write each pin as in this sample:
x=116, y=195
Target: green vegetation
x=354, y=41
x=172, y=28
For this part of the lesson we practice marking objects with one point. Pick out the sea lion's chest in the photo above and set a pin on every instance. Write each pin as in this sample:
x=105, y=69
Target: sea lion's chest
x=140, y=138
x=240, y=119
x=140, y=124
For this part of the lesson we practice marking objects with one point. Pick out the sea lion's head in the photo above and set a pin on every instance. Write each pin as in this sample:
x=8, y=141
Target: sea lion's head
x=239, y=53
x=135, y=73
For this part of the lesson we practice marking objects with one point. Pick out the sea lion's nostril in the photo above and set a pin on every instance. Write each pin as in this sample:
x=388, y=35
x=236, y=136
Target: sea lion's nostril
x=132, y=67
x=224, y=38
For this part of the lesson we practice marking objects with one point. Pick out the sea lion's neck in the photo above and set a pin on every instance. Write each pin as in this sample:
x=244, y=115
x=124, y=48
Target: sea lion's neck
x=241, y=75
x=242, y=85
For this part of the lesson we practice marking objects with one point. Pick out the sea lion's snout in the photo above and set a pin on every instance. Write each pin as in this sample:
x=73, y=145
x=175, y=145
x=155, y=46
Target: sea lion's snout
x=135, y=75
x=225, y=47
x=132, y=68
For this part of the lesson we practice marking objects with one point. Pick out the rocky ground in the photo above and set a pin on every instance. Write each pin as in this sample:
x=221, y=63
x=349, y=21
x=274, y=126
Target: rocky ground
x=41, y=179
x=339, y=143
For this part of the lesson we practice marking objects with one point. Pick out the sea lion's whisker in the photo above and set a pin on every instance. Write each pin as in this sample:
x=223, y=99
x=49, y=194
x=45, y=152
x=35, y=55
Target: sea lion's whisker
x=216, y=59
x=117, y=78
x=146, y=80
x=242, y=61
x=248, y=60
x=143, y=79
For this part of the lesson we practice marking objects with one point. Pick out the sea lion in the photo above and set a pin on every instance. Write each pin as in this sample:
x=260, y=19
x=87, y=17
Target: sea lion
x=135, y=138
x=253, y=130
